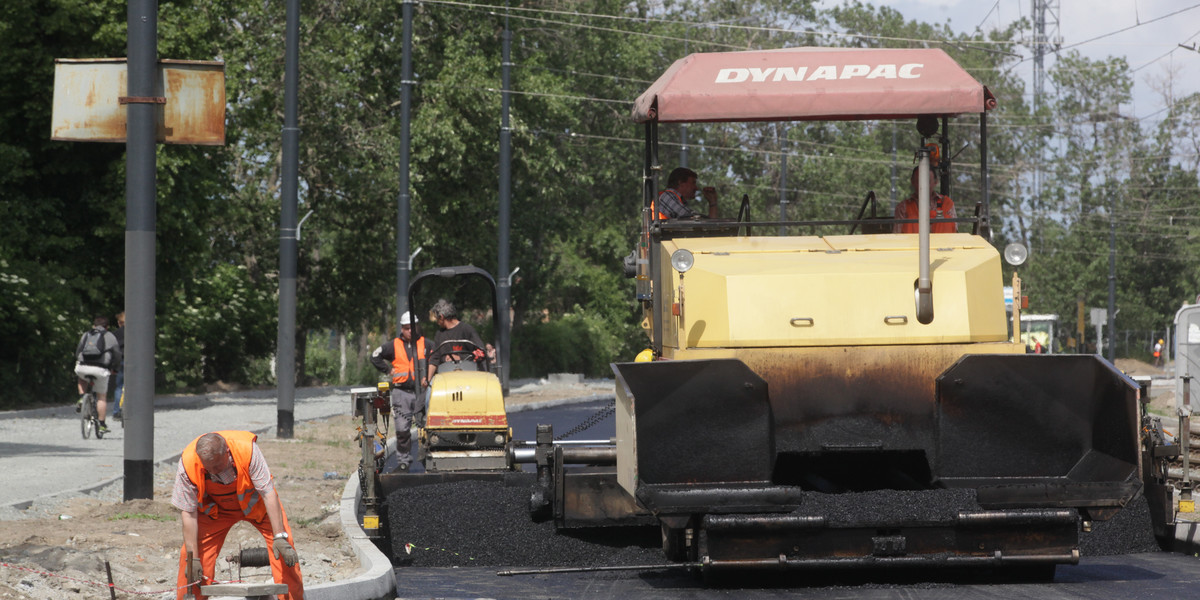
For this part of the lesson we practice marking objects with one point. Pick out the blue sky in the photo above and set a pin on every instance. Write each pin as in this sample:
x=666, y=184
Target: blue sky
x=1150, y=40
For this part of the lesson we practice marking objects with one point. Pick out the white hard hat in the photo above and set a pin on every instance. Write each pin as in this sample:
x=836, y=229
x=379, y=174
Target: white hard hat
x=406, y=318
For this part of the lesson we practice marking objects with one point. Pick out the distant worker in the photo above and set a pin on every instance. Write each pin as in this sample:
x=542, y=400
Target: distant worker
x=1158, y=358
x=223, y=479
x=402, y=359
x=940, y=207
x=458, y=333
x=96, y=355
x=681, y=189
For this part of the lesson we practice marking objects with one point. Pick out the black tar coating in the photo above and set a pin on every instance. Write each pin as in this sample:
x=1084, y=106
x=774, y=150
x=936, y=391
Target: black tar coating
x=895, y=506
x=1129, y=532
x=477, y=523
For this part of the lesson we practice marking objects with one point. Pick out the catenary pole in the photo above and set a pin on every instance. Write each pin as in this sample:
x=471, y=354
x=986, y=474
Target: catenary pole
x=285, y=364
x=403, y=206
x=504, y=290
x=140, y=215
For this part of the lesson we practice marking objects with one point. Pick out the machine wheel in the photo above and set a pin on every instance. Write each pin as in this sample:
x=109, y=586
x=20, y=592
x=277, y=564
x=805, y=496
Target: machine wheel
x=674, y=543
x=87, y=420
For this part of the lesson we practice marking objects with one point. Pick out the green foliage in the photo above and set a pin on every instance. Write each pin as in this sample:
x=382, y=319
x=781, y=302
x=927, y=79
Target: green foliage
x=39, y=335
x=575, y=174
x=322, y=361
x=218, y=323
x=577, y=342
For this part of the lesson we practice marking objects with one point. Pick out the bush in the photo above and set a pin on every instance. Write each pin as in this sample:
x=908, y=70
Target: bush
x=578, y=342
x=40, y=324
x=214, y=328
x=322, y=361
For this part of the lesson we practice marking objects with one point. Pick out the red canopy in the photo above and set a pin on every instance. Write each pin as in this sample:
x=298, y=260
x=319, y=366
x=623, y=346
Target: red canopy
x=794, y=84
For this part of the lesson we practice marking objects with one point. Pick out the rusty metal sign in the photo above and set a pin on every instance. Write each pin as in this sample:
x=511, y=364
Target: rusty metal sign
x=90, y=100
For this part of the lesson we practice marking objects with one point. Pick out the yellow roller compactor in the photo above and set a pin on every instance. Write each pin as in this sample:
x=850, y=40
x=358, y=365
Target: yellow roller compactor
x=847, y=400
x=467, y=425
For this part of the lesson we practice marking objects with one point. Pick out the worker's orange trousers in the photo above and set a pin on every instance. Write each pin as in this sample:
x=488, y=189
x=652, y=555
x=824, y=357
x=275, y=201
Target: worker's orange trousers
x=211, y=537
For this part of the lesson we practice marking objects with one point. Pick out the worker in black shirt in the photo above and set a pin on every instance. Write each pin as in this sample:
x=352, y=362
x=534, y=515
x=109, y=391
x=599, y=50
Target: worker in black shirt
x=469, y=349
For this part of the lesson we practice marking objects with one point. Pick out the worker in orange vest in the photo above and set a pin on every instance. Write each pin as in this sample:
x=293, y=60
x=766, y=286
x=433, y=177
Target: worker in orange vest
x=223, y=479
x=940, y=207
x=401, y=357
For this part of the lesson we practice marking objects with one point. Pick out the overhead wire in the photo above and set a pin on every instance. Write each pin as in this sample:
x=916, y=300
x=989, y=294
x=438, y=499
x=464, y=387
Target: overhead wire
x=494, y=10
x=491, y=9
x=1134, y=26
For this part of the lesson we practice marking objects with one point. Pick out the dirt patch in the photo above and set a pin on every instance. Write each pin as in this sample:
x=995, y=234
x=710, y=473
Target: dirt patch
x=1162, y=385
x=1137, y=368
x=141, y=538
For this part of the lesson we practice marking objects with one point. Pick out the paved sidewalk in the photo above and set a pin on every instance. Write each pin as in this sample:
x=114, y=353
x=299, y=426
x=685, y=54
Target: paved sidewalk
x=43, y=454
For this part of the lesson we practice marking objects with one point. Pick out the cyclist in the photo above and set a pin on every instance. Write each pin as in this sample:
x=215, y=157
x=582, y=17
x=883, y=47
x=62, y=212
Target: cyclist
x=95, y=356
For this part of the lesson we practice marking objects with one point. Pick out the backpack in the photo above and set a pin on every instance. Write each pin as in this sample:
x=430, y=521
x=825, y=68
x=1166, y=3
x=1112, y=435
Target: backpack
x=92, y=350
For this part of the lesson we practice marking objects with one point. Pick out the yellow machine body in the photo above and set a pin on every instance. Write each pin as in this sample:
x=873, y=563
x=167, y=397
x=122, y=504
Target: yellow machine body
x=772, y=292
x=467, y=425
x=466, y=400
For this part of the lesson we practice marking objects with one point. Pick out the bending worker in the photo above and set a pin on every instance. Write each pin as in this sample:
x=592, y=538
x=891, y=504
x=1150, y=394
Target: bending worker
x=401, y=357
x=222, y=479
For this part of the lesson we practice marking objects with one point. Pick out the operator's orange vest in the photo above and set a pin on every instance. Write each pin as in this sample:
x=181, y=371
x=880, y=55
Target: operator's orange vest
x=241, y=446
x=402, y=366
x=936, y=211
x=654, y=209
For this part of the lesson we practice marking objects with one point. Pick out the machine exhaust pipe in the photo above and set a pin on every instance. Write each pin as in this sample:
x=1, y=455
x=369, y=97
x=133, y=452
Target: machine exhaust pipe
x=924, y=290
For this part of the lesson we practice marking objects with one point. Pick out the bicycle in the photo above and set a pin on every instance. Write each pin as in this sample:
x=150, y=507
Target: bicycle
x=89, y=420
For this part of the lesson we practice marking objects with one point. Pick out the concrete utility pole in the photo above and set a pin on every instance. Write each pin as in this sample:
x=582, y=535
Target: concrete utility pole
x=1112, y=282
x=783, y=154
x=141, y=192
x=285, y=353
x=1043, y=42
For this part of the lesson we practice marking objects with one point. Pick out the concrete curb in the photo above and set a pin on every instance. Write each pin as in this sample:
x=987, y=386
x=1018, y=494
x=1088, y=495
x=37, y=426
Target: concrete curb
x=377, y=578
